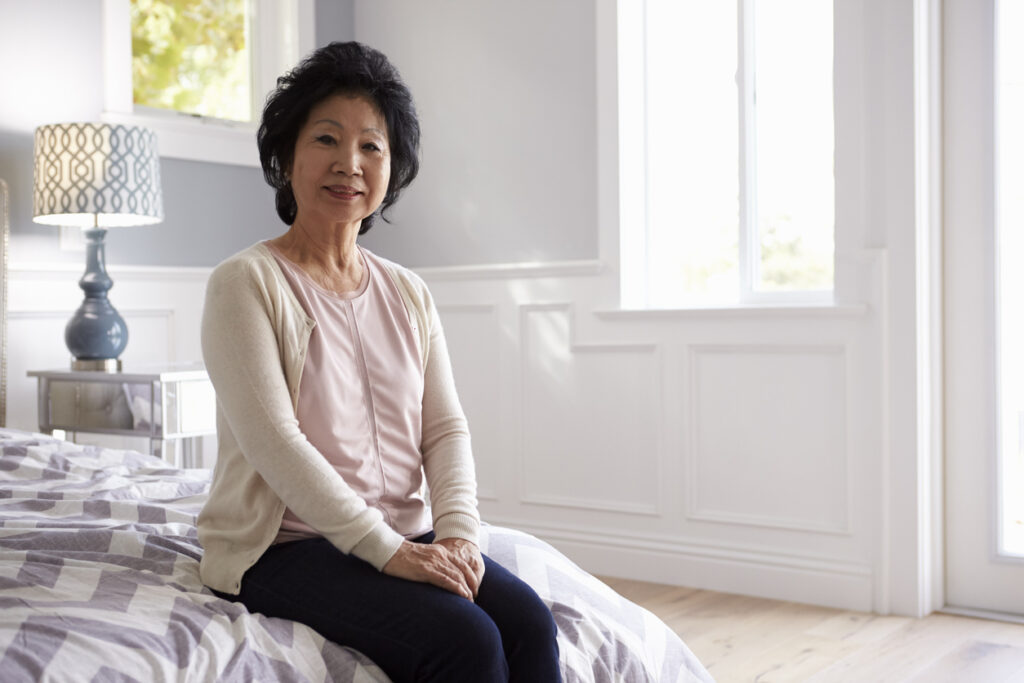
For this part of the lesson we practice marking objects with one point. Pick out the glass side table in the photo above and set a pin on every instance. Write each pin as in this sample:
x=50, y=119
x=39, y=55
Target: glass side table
x=172, y=406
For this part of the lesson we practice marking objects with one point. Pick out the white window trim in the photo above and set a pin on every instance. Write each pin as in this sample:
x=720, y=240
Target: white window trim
x=634, y=234
x=286, y=32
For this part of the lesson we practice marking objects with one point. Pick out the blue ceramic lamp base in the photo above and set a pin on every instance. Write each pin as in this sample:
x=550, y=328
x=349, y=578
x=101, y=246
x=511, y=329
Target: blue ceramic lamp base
x=96, y=334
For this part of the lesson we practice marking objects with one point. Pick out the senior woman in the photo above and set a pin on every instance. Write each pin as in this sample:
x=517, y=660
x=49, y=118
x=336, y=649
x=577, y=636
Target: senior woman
x=335, y=398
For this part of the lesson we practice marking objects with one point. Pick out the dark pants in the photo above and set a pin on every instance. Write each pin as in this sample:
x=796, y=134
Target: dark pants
x=413, y=631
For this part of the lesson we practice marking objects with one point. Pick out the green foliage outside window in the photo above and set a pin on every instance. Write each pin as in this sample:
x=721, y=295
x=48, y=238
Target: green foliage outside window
x=192, y=56
x=788, y=262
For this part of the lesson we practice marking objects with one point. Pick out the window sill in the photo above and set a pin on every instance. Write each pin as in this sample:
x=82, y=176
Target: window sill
x=196, y=139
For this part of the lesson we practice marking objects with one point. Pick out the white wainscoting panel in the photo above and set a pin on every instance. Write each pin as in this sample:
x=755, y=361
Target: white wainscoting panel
x=748, y=569
x=161, y=306
x=733, y=449
x=474, y=345
x=35, y=341
x=151, y=337
x=589, y=411
x=768, y=436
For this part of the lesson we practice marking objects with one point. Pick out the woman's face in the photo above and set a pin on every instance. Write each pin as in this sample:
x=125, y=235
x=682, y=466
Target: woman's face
x=342, y=161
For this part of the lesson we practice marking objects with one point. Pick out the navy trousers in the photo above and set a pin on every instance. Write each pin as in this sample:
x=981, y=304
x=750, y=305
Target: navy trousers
x=413, y=631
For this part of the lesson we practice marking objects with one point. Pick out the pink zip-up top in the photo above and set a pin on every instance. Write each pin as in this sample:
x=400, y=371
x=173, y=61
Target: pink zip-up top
x=360, y=395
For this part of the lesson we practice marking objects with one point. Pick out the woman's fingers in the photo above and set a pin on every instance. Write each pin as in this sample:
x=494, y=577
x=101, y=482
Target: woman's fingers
x=452, y=579
x=475, y=564
x=467, y=571
x=441, y=572
x=428, y=564
x=470, y=560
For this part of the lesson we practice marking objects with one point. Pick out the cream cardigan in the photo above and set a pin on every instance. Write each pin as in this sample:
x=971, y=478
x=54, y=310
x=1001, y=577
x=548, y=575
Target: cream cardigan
x=254, y=336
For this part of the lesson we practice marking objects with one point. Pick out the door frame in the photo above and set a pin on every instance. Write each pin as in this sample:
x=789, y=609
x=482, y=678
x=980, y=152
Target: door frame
x=969, y=162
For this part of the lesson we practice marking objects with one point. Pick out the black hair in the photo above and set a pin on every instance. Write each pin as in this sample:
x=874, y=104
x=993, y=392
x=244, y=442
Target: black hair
x=338, y=69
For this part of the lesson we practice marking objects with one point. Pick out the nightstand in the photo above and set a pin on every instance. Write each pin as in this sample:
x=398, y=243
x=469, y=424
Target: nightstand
x=172, y=406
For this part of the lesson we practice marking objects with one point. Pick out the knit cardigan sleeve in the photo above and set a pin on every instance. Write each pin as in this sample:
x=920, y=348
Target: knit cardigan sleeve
x=243, y=355
x=445, y=444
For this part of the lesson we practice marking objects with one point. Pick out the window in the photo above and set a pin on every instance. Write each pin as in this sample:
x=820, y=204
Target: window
x=197, y=71
x=727, y=152
x=193, y=57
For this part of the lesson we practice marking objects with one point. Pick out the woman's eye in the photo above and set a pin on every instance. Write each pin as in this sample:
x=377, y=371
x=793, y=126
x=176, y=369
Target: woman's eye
x=371, y=147
x=325, y=139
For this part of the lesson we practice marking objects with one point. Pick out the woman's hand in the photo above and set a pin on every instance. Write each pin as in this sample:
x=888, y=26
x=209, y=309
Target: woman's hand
x=471, y=560
x=435, y=564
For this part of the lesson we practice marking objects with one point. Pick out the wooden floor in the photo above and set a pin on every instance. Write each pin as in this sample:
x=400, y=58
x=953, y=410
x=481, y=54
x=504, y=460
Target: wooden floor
x=752, y=639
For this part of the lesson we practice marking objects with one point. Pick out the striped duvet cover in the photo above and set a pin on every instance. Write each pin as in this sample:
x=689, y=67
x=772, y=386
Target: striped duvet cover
x=99, y=581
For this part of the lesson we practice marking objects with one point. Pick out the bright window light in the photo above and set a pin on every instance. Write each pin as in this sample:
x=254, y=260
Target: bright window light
x=692, y=151
x=795, y=188
x=739, y=151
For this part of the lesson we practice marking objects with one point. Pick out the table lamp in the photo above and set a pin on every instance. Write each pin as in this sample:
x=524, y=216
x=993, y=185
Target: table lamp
x=96, y=176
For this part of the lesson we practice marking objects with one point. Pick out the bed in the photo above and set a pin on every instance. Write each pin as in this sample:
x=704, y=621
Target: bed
x=99, y=581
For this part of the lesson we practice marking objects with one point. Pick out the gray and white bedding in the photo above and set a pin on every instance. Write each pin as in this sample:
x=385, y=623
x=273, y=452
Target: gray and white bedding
x=99, y=581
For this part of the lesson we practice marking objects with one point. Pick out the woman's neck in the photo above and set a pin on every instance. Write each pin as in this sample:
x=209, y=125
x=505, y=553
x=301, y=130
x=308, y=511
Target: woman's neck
x=328, y=254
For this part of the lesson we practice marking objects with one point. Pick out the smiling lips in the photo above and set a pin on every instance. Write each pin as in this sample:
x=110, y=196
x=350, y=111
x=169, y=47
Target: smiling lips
x=343, y=191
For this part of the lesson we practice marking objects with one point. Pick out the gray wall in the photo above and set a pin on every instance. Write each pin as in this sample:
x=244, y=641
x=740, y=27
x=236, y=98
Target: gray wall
x=52, y=54
x=507, y=98
x=506, y=94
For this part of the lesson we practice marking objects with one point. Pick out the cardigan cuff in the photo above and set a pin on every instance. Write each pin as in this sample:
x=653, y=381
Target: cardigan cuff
x=457, y=525
x=378, y=546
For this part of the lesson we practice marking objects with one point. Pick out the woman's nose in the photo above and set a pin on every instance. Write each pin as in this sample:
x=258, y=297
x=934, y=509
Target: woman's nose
x=347, y=162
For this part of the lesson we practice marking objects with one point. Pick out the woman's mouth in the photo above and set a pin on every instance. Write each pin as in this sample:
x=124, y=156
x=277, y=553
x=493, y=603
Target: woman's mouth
x=342, y=191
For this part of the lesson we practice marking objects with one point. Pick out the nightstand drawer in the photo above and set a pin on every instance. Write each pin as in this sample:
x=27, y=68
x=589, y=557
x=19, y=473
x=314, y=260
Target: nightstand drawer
x=173, y=408
x=88, y=407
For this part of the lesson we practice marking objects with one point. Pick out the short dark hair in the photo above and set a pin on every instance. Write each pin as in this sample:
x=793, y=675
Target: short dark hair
x=346, y=69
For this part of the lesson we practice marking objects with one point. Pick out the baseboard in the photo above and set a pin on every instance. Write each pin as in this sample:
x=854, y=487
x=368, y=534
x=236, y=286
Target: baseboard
x=678, y=562
x=982, y=614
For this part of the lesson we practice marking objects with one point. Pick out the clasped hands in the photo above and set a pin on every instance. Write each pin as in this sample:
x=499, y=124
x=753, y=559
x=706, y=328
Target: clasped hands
x=453, y=564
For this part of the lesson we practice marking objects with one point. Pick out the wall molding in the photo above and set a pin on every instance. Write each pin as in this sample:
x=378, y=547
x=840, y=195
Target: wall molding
x=56, y=314
x=653, y=507
x=646, y=354
x=579, y=503
x=161, y=308
x=488, y=308
x=693, y=511
x=169, y=318
x=61, y=271
x=489, y=313
x=722, y=566
x=746, y=312
x=513, y=271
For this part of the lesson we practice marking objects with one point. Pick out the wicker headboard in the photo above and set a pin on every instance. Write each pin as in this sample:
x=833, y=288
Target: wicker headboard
x=5, y=236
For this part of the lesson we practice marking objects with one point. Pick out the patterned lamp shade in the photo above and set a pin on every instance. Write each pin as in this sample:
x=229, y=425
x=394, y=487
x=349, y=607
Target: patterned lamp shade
x=96, y=175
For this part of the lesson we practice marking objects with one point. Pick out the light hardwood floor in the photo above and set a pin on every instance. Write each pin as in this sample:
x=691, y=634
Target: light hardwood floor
x=740, y=638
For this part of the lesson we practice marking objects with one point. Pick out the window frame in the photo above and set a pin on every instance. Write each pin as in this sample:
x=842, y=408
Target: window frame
x=278, y=44
x=635, y=239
